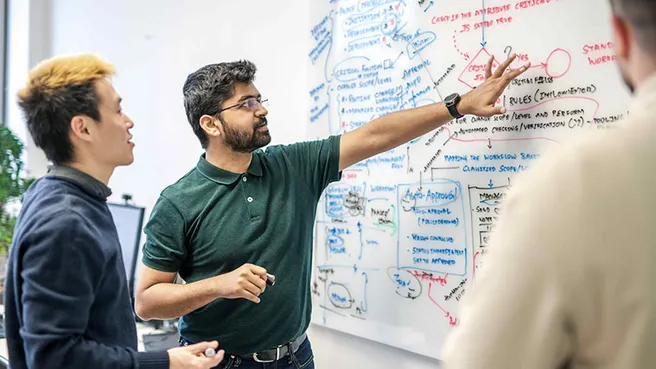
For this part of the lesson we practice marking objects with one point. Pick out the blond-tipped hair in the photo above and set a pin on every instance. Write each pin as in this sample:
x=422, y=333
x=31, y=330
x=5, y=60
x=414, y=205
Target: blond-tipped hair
x=62, y=71
x=57, y=90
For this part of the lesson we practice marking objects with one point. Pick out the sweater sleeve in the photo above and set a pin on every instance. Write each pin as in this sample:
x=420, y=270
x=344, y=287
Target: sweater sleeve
x=153, y=360
x=61, y=269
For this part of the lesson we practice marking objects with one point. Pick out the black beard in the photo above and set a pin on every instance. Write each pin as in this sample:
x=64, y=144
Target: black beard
x=240, y=141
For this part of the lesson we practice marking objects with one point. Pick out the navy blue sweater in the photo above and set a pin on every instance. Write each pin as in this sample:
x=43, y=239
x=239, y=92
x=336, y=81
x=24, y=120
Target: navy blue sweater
x=66, y=296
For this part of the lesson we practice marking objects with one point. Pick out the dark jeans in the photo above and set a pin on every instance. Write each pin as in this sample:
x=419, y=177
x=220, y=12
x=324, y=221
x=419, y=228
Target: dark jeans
x=303, y=358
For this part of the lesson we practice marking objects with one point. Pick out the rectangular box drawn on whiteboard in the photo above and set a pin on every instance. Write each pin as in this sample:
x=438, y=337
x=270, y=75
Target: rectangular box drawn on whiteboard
x=485, y=209
x=434, y=239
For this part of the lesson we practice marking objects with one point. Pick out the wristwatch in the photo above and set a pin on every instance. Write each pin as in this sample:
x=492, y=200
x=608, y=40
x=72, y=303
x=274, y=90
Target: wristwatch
x=451, y=103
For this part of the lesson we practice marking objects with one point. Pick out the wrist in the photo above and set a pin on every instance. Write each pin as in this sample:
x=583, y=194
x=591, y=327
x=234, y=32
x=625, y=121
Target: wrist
x=463, y=105
x=154, y=360
x=216, y=286
x=455, y=105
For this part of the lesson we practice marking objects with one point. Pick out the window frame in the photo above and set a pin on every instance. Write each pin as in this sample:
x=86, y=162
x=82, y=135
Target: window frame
x=4, y=47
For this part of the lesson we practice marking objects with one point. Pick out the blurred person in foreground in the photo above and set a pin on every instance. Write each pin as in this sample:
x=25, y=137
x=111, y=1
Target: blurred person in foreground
x=568, y=281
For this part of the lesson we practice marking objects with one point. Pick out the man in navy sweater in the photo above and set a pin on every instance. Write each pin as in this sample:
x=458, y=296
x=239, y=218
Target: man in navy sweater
x=66, y=296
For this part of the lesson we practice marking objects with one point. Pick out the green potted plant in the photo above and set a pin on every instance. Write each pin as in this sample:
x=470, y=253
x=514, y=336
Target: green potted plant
x=13, y=185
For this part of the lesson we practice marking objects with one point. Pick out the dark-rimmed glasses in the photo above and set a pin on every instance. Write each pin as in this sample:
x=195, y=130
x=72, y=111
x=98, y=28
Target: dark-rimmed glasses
x=252, y=103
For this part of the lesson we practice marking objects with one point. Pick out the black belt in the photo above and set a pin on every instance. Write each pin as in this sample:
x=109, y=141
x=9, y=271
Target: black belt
x=275, y=354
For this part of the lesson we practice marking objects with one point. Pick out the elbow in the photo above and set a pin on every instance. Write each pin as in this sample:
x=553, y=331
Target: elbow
x=142, y=308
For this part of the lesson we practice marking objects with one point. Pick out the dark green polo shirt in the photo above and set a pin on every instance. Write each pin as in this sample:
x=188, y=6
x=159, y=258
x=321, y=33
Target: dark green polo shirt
x=212, y=221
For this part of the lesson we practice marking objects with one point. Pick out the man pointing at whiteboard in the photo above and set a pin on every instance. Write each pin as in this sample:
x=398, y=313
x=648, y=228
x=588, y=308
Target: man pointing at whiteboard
x=572, y=285
x=243, y=215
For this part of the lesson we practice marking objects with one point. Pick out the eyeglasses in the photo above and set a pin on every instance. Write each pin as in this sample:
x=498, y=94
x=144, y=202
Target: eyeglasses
x=252, y=103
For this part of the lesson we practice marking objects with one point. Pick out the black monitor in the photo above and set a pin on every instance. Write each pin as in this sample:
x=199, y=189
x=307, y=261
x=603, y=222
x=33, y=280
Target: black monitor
x=129, y=223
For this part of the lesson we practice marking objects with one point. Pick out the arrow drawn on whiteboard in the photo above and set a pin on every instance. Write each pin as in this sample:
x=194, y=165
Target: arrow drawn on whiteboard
x=453, y=321
x=361, y=242
x=483, y=43
x=389, y=64
x=410, y=170
x=455, y=44
x=429, y=5
x=455, y=134
x=489, y=143
x=541, y=65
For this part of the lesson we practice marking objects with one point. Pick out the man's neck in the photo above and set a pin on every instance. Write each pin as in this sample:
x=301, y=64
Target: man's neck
x=228, y=160
x=95, y=171
x=644, y=69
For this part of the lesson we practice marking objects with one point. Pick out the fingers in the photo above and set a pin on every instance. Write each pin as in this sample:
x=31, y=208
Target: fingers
x=257, y=280
x=261, y=284
x=248, y=295
x=488, y=67
x=514, y=73
x=496, y=110
x=211, y=362
x=258, y=270
x=214, y=361
x=502, y=68
x=250, y=282
x=204, y=358
x=255, y=286
x=193, y=356
x=200, y=347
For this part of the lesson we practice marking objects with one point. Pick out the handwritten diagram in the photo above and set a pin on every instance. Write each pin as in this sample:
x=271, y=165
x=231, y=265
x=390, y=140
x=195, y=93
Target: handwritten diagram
x=399, y=239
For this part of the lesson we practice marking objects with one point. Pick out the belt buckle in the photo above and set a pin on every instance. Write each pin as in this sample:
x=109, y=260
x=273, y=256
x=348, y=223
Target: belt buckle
x=268, y=361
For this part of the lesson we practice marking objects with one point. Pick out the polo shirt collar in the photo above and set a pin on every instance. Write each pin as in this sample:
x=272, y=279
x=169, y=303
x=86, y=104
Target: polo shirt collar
x=225, y=177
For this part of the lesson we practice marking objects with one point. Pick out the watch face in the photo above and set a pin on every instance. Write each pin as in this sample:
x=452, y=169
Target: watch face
x=450, y=99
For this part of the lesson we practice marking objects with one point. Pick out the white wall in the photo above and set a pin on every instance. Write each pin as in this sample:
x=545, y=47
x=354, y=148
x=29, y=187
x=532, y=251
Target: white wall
x=17, y=62
x=154, y=44
x=27, y=43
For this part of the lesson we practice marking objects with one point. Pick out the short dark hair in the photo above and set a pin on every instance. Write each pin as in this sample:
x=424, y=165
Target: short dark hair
x=641, y=14
x=208, y=88
x=57, y=90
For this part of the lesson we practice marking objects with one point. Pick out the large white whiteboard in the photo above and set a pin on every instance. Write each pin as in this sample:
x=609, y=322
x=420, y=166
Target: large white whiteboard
x=399, y=239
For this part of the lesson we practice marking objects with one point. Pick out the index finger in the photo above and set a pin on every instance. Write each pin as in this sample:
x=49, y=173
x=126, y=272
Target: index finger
x=502, y=68
x=200, y=347
x=259, y=271
x=516, y=72
x=488, y=67
x=212, y=362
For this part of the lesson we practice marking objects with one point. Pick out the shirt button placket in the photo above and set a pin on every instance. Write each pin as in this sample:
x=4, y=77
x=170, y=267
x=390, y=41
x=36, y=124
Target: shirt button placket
x=249, y=199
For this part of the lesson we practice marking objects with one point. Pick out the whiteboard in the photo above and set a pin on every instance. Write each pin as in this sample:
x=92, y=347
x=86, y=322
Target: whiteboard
x=399, y=239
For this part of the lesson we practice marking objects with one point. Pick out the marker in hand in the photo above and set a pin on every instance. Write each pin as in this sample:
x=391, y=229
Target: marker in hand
x=271, y=280
x=209, y=352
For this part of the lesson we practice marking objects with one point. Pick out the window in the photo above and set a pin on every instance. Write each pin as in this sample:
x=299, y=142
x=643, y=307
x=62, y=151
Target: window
x=4, y=20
